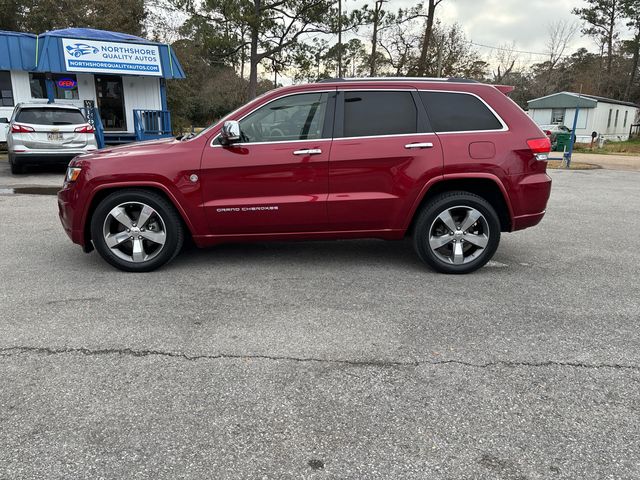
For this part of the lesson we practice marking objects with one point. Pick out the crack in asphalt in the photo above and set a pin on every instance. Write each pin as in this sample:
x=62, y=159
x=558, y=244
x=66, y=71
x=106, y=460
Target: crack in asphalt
x=13, y=351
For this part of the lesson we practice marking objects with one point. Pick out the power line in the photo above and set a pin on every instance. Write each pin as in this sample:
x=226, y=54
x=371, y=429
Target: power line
x=492, y=47
x=482, y=45
x=506, y=49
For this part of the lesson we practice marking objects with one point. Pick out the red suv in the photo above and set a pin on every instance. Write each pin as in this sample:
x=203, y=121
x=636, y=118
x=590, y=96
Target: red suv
x=450, y=162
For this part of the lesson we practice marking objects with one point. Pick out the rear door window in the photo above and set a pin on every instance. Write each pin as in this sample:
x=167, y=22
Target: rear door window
x=458, y=112
x=50, y=116
x=379, y=113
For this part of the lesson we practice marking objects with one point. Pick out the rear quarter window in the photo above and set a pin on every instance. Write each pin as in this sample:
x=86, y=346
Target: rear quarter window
x=458, y=112
x=50, y=116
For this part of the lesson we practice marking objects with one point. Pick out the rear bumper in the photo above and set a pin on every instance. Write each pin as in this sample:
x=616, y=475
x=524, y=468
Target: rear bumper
x=526, y=221
x=47, y=156
x=529, y=203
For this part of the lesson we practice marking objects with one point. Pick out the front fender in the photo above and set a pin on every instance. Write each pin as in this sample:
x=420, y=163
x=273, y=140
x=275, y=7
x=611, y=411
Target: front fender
x=186, y=197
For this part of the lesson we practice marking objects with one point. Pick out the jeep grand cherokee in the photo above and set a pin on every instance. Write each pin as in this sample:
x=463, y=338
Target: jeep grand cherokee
x=451, y=162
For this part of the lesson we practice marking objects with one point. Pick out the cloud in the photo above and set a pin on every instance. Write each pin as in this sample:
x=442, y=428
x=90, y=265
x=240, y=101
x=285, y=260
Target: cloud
x=499, y=22
x=524, y=23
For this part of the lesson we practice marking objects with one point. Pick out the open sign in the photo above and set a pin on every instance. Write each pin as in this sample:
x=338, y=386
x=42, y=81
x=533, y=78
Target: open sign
x=67, y=83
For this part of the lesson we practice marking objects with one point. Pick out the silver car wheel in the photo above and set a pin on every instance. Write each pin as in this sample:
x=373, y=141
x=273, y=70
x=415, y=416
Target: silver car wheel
x=134, y=231
x=459, y=235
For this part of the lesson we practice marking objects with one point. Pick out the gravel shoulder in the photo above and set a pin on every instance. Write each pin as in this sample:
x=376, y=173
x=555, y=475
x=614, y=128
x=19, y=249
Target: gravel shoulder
x=610, y=161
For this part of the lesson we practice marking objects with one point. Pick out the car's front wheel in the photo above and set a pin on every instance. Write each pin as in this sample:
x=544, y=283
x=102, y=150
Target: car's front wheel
x=457, y=232
x=136, y=230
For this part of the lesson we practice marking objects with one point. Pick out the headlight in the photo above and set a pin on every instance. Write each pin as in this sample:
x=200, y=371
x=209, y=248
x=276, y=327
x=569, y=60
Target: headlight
x=72, y=174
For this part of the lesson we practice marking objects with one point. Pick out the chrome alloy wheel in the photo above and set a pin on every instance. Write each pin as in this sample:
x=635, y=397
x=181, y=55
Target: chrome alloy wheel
x=459, y=235
x=134, y=232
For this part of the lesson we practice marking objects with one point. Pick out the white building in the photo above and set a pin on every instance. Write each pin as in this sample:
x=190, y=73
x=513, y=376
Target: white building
x=118, y=78
x=610, y=119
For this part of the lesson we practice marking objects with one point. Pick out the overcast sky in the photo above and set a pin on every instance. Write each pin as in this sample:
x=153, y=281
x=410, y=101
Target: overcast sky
x=499, y=22
x=495, y=22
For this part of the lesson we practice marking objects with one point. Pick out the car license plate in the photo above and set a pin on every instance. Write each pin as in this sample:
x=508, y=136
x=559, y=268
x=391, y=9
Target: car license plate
x=54, y=136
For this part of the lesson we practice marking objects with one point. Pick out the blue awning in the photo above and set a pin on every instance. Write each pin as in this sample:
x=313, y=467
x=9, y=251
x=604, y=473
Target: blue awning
x=44, y=53
x=17, y=51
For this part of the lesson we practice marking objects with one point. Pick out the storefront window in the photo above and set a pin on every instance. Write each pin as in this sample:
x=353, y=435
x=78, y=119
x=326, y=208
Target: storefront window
x=38, y=86
x=65, y=86
x=6, y=90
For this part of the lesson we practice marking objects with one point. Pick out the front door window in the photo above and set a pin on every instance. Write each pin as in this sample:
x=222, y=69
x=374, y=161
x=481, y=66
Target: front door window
x=296, y=117
x=110, y=97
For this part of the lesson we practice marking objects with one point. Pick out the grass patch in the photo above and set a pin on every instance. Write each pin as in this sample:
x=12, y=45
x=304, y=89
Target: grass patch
x=630, y=147
x=559, y=165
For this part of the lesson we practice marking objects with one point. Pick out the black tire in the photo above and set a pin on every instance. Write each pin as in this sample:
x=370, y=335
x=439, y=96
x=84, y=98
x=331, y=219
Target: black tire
x=169, y=220
x=455, y=200
x=16, y=168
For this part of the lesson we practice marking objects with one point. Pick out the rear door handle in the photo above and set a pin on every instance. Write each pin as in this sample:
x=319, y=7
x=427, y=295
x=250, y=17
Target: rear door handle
x=308, y=151
x=419, y=145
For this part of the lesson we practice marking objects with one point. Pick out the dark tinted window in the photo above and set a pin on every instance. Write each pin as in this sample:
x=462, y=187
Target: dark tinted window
x=458, y=112
x=6, y=92
x=38, y=85
x=379, y=113
x=50, y=116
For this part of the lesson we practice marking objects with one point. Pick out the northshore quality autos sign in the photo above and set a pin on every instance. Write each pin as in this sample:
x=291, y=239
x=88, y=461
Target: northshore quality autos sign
x=111, y=57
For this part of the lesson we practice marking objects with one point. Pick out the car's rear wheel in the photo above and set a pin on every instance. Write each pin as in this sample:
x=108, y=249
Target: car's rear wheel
x=136, y=230
x=16, y=168
x=457, y=232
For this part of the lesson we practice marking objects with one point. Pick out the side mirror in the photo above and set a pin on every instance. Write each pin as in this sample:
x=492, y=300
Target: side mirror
x=230, y=132
x=4, y=120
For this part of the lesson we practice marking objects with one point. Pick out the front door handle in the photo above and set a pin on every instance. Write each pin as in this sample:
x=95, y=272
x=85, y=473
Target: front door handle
x=308, y=151
x=419, y=145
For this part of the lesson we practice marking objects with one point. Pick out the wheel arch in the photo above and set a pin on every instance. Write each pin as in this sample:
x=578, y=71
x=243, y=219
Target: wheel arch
x=105, y=190
x=486, y=186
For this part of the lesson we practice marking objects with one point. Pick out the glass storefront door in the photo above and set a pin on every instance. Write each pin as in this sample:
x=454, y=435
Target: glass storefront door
x=110, y=97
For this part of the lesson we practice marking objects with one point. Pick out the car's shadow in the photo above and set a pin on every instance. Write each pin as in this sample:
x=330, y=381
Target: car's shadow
x=305, y=254
x=57, y=169
x=34, y=169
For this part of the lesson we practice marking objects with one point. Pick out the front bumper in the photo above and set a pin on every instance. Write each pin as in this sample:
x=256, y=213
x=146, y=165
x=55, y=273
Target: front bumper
x=67, y=211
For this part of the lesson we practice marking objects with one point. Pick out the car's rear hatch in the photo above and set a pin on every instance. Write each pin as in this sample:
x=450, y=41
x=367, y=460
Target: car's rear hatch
x=51, y=128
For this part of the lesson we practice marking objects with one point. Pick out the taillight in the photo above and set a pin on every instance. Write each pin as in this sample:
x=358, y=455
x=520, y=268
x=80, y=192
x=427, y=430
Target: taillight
x=17, y=128
x=85, y=129
x=540, y=147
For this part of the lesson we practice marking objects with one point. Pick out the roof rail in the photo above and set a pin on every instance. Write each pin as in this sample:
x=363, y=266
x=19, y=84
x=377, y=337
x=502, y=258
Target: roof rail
x=399, y=79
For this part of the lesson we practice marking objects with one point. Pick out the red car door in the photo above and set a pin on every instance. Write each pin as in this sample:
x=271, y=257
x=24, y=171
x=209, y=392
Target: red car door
x=275, y=180
x=383, y=154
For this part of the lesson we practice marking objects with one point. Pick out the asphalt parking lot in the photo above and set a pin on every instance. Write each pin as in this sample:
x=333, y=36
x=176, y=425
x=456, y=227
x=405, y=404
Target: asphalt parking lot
x=336, y=360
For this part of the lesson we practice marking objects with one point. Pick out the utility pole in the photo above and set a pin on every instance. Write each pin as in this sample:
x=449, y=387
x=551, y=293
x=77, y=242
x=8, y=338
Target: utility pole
x=339, y=38
x=440, y=54
x=377, y=11
x=567, y=156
